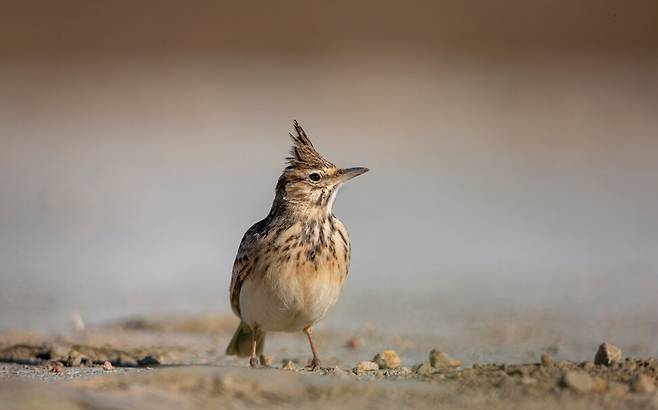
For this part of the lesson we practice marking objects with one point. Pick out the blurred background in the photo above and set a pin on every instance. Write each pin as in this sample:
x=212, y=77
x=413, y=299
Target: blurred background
x=513, y=148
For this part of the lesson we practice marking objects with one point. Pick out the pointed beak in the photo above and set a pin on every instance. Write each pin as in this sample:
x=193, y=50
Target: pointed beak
x=349, y=173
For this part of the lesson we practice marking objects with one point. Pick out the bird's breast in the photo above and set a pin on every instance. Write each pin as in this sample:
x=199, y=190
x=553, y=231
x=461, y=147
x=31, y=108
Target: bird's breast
x=300, y=274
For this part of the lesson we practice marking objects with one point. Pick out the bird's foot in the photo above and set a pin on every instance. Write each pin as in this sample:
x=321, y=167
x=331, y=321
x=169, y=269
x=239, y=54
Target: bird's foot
x=253, y=362
x=313, y=365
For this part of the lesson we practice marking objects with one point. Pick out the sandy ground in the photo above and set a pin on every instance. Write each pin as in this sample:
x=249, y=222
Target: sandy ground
x=179, y=364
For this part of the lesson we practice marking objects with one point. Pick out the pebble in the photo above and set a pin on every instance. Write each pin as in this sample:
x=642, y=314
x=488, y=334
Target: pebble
x=126, y=360
x=287, y=364
x=565, y=365
x=405, y=371
x=630, y=365
x=59, y=352
x=651, y=363
x=340, y=373
x=55, y=367
x=424, y=369
x=514, y=370
x=578, y=381
x=547, y=360
x=265, y=360
x=643, y=384
x=388, y=359
x=607, y=355
x=108, y=366
x=366, y=366
x=587, y=365
x=441, y=360
x=148, y=361
x=76, y=358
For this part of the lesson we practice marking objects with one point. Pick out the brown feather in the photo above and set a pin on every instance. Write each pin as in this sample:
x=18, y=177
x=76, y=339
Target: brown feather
x=303, y=154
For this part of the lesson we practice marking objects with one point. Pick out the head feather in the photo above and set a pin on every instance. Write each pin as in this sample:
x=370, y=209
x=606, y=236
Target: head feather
x=303, y=153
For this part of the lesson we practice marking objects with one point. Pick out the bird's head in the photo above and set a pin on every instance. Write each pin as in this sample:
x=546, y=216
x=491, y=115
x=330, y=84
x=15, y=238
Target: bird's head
x=310, y=182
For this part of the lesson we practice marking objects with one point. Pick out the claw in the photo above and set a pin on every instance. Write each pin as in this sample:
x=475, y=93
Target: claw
x=314, y=365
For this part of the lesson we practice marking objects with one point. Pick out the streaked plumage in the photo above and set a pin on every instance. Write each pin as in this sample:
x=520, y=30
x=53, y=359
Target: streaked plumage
x=291, y=266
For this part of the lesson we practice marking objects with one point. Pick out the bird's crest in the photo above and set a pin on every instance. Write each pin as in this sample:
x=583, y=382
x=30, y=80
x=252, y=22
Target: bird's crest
x=303, y=153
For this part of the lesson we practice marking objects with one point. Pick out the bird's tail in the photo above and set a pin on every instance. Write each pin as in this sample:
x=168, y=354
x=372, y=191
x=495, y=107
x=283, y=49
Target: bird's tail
x=240, y=344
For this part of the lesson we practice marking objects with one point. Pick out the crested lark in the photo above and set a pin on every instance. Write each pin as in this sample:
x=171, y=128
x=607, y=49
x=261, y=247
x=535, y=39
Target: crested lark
x=290, y=267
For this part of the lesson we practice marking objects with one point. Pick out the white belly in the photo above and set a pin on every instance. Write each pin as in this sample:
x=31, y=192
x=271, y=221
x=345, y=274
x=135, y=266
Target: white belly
x=291, y=298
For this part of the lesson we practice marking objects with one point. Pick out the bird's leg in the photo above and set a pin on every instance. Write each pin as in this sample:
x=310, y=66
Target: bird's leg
x=315, y=363
x=253, y=360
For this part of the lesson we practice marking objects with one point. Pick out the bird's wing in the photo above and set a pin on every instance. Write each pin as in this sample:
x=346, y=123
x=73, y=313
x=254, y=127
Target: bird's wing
x=243, y=265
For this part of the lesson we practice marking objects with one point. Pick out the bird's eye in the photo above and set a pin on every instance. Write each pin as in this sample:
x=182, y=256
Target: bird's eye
x=314, y=177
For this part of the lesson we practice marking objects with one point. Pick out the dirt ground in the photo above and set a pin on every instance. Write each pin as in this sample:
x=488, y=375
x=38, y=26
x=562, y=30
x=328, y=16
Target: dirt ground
x=179, y=364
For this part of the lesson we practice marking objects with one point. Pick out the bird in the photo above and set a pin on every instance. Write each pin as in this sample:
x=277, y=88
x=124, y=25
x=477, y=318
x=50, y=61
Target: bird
x=290, y=267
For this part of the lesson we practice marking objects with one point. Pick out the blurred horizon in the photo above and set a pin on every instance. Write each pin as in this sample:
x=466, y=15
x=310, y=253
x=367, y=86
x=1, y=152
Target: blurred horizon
x=513, y=151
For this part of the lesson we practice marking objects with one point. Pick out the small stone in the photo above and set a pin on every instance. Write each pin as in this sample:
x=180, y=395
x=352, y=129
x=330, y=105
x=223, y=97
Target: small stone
x=652, y=363
x=59, y=352
x=587, y=366
x=55, y=367
x=565, y=365
x=108, y=366
x=607, y=355
x=578, y=381
x=441, y=360
x=287, y=364
x=630, y=365
x=547, y=360
x=515, y=370
x=424, y=369
x=148, y=361
x=76, y=358
x=405, y=371
x=340, y=373
x=265, y=360
x=388, y=359
x=125, y=360
x=643, y=384
x=366, y=366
